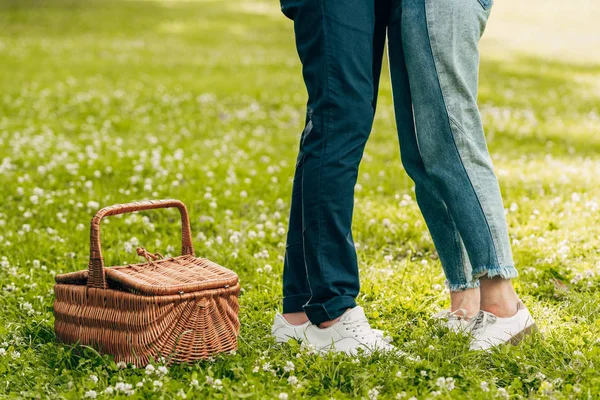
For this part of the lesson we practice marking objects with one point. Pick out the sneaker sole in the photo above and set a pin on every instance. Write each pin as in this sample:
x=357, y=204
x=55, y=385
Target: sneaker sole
x=515, y=340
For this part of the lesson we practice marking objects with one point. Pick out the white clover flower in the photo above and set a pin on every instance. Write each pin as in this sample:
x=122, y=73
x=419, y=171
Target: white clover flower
x=93, y=205
x=94, y=378
x=121, y=365
x=2, y=352
x=217, y=384
x=109, y=390
x=293, y=380
x=181, y=394
x=194, y=383
x=283, y=396
x=150, y=369
x=157, y=384
x=484, y=386
x=90, y=394
x=501, y=392
x=373, y=394
x=289, y=366
x=162, y=370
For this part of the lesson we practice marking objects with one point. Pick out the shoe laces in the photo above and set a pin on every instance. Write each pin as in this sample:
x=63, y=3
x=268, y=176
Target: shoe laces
x=481, y=321
x=362, y=330
x=456, y=315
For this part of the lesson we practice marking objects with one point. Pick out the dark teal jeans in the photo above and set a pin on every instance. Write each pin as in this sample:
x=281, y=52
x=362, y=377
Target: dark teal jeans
x=434, y=69
x=340, y=44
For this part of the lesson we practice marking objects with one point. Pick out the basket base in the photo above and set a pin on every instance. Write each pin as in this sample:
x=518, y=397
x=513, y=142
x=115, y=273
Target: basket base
x=136, y=329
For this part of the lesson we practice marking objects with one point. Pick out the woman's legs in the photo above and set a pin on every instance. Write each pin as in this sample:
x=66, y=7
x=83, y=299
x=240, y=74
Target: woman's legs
x=448, y=158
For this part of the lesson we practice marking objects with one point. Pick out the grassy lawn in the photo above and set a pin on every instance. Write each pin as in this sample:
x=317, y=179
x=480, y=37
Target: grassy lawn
x=111, y=102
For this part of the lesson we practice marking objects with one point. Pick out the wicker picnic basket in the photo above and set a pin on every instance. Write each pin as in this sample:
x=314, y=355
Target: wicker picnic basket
x=182, y=308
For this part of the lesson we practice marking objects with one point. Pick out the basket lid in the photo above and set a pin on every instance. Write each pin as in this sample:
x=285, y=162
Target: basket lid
x=175, y=275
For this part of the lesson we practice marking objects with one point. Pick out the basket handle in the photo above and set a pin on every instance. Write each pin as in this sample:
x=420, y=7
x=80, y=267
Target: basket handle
x=96, y=276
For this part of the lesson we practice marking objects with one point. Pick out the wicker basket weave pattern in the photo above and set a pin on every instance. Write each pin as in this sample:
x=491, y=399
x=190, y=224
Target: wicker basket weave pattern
x=182, y=308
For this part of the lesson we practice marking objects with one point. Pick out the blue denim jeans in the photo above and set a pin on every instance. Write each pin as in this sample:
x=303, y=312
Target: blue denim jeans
x=433, y=57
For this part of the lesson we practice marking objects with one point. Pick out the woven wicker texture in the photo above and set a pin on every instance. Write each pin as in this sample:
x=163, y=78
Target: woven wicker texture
x=182, y=308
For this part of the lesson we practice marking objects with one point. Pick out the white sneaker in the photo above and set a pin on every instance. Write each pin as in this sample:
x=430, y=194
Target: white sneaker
x=283, y=331
x=456, y=321
x=351, y=332
x=489, y=330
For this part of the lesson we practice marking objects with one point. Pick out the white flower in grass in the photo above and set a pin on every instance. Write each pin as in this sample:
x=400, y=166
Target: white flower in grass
x=283, y=396
x=2, y=352
x=109, y=390
x=293, y=380
x=162, y=370
x=149, y=369
x=401, y=395
x=34, y=199
x=194, y=383
x=16, y=354
x=139, y=384
x=373, y=394
x=217, y=384
x=90, y=394
x=289, y=366
x=484, y=386
x=93, y=205
x=268, y=268
x=121, y=365
x=157, y=384
x=501, y=392
x=94, y=378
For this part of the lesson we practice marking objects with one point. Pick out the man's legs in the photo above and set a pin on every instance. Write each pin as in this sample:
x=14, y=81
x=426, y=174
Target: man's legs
x=335, y=44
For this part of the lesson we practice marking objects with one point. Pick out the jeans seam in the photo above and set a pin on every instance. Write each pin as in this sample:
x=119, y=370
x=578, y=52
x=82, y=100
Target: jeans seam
x=457, y=243
x=429, y=37
x=324, y=141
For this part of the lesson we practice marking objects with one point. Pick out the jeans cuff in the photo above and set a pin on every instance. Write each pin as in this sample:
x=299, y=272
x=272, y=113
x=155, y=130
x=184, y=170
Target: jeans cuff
x=504, y=272
x=295, y=302
x=331, y=309
x=457, y=287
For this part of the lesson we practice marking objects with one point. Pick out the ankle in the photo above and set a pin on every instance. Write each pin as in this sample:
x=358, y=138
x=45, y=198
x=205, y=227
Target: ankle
x=327, y=324
x=467, y=300
x=499, y=297
x=296, y=318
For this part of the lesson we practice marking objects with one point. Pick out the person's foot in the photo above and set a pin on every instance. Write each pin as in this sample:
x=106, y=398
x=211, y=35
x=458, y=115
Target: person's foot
x=282, y=330
x=350, y=333
x=489, y=330
x=457, y=321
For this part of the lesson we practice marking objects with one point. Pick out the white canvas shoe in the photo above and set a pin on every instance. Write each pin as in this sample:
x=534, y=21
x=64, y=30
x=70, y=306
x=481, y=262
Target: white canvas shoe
x=283, y=331
x=351, y=332
x=489, y=330
x=456, y=321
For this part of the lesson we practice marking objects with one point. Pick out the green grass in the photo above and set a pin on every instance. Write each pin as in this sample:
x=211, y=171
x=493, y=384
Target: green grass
x=111, y=102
